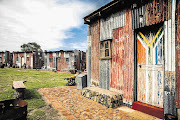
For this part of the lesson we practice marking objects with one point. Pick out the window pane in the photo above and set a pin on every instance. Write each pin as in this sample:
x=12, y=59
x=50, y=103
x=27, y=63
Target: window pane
x=107, y=53
x=106, y=44
x=101, y=45
x=102, y=54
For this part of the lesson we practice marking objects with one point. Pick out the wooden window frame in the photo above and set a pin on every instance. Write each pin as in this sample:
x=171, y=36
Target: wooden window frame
x=109, y=47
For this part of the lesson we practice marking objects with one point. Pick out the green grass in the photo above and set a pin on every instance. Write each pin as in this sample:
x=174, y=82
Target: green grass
x=35, y=79
x=37, y=114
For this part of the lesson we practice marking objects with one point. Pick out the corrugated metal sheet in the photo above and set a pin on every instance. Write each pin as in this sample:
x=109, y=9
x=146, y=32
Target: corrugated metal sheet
x=153, y=12
x=48, y=64
x=104, y=74
x=169, y=83
x=178, y=55
x=122, y=63
x=114, y=21
x=95, y=35
x=54, y=60
x=61, y=63
x=89, y=57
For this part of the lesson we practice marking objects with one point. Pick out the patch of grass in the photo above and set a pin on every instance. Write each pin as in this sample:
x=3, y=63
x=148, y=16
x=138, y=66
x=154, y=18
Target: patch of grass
x=35, y=80
x=37, y=114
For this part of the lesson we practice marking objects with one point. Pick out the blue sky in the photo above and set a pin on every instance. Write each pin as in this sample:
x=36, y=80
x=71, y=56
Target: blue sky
x=54, y=24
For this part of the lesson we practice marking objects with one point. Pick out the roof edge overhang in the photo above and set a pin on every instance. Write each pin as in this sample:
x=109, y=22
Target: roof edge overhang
x=111, y=7
x=97, y=13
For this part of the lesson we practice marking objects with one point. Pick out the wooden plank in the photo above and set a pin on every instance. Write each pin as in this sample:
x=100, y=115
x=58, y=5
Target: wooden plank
x=169, y=41
x=151, y=110
x=18, y=85
x=166, y=44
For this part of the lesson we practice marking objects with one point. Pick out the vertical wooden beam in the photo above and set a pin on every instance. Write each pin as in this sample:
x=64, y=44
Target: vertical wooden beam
x=135, y=67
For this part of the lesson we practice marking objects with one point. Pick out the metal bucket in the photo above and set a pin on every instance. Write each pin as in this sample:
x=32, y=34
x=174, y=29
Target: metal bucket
x=13, y=109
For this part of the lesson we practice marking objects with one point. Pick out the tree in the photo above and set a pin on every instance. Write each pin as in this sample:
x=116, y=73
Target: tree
x=31, y=46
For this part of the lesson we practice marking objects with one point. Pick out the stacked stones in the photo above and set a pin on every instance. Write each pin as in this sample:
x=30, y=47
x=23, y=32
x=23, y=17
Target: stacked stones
x=102, y=96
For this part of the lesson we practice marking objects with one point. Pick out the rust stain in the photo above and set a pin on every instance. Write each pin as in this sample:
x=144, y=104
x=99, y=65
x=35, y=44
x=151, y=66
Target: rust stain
x=95, y=37
x=178, y=55
x=141, y=55
x=122, y=65
x=61, y=63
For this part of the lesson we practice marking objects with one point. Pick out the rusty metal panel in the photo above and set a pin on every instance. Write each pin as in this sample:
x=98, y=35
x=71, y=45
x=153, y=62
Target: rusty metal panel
x=169, y=83
x=104, y=74
x=95, y=35
x=152, y=13
x=114, y=21
x=178, y=54
x=88, y=58
x=122, y=63
x=61, y=63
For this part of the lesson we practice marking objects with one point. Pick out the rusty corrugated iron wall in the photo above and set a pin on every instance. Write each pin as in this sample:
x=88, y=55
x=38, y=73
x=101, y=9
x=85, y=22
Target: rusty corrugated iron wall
x=107, y=24
x=51, y=57
x=152, y=13
x=61, y=62
x=104, y=74
x=122, y=63
x=169, y=81
x=89, y=57
x=95, y=36
x=178, y=54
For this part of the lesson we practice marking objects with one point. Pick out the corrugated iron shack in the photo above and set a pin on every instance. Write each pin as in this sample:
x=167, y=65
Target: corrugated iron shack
x=32, y=60
x=5, y=57
x=133, y=49
x=65, y=60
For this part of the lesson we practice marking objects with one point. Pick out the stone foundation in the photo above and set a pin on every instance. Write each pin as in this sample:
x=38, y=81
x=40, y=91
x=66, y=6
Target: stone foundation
x=105, y=97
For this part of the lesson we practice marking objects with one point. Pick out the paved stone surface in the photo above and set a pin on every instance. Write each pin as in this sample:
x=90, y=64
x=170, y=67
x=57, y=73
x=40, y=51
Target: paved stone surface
x=69, y=102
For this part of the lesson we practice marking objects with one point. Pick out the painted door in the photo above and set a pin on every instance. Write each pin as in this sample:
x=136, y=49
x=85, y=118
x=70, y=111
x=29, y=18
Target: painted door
x=150, y=66
x=58, y=64
x=22, y=61
x=31, y=62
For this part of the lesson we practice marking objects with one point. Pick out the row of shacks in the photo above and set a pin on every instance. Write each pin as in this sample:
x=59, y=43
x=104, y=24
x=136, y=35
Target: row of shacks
x=134, y=49
x=63, y=61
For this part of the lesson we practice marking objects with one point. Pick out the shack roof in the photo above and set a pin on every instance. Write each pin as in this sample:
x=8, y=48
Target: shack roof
x=110, y=7
x=58, y=51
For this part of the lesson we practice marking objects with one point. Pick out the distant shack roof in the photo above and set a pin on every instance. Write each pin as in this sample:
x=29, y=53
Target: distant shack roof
x=58, y=51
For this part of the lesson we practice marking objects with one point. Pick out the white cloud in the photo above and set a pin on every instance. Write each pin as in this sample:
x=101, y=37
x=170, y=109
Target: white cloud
x=43, y=21
x=81, y=46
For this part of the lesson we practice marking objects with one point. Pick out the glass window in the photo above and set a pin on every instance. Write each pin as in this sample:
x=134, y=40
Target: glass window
x=67, y=59
x=104, y=49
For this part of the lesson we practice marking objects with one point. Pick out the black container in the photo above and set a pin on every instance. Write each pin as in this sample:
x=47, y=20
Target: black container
x=13, y=110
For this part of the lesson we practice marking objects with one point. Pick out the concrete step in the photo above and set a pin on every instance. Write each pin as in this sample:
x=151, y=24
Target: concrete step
x=105, y=97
